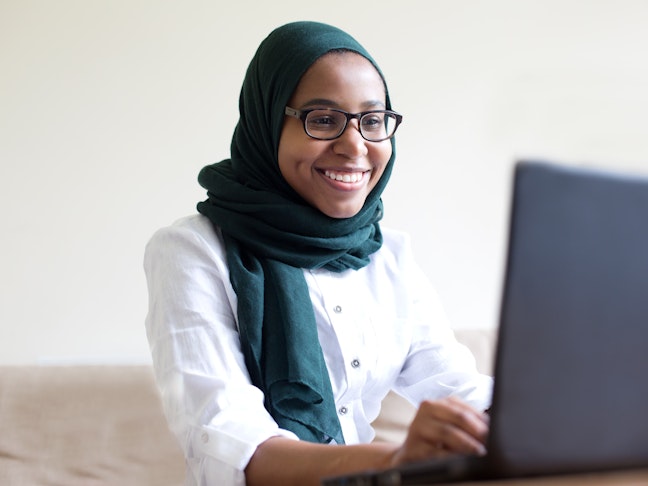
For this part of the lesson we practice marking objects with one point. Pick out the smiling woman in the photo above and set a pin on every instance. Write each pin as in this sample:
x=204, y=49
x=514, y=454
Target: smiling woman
x=283, y=313
x=335, y=175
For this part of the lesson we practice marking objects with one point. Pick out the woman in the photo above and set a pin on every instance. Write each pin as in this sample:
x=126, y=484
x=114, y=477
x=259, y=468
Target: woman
x=282, y=314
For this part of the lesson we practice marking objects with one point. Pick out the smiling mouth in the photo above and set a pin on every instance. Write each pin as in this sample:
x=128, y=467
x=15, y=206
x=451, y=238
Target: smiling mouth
x=349, y=177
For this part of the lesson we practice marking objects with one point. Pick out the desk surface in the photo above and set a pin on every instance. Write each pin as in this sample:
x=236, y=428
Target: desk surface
x=618, y=478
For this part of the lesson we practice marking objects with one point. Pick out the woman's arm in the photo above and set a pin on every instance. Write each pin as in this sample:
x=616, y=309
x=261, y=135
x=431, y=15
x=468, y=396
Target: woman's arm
x=280, y=461
x=217, y=415
x=440, y=428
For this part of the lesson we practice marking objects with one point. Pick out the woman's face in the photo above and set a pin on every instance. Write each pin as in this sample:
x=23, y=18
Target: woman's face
x=335, y=176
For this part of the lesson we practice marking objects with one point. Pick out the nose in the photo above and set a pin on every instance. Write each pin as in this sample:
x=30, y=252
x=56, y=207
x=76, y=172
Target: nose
x=350, y=143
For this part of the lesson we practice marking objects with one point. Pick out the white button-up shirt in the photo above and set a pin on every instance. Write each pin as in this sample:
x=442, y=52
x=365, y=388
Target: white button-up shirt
x=380, y=328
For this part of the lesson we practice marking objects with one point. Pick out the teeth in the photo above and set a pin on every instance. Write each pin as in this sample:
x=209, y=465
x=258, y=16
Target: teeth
x=343, y=176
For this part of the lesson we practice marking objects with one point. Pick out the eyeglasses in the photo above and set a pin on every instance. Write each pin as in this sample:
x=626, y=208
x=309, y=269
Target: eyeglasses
x=329, y=123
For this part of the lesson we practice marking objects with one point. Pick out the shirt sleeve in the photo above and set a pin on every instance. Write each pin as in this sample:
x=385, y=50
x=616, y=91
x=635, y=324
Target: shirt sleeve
x=437, y=365
x=215, y=412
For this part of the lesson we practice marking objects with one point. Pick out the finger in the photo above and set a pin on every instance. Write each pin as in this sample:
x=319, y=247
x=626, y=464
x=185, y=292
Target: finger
x=439, y=435
x=457, y=441
x=459, y=414
x=451, y=444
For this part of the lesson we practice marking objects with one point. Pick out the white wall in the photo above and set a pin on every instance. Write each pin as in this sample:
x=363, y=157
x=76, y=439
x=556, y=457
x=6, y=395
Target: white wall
x=108, y=109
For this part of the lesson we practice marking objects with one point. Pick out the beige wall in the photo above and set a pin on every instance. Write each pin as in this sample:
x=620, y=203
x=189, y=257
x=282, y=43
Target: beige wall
x=108, y=109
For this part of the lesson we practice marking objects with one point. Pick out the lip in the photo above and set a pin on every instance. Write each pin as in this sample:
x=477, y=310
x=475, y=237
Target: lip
x=345, y=179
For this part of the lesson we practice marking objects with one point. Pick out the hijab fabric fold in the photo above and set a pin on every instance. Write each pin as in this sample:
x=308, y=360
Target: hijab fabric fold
x=271, y=234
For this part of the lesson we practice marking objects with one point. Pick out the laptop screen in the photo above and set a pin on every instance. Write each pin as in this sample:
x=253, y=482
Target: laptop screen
x=571, y=391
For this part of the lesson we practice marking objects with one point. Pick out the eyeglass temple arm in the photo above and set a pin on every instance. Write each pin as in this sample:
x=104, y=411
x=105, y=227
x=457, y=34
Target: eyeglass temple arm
x=292, y=112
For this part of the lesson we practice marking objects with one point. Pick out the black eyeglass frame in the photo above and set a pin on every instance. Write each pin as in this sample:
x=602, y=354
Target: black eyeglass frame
x=302, y=114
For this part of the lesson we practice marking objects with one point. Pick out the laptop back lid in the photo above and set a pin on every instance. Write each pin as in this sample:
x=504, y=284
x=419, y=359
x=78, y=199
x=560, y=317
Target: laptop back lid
x=572, y=361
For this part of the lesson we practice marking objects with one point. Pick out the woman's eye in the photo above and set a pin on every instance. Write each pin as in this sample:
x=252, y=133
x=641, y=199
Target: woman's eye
x=373, y=122
x=323, y=122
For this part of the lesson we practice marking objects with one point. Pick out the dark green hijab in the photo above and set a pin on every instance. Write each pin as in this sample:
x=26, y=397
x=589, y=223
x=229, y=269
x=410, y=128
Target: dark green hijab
x=271, y=234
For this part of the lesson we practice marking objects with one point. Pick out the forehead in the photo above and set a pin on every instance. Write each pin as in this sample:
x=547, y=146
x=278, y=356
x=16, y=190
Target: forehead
x=341, y=76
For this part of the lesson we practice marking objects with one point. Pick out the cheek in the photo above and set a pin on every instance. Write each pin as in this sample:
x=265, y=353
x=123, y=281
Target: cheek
x=297, y=152
x=381, y=154
x=290, y=158
x=287, y=153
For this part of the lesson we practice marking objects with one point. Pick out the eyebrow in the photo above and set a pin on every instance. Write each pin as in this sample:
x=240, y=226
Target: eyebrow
x=373, y=104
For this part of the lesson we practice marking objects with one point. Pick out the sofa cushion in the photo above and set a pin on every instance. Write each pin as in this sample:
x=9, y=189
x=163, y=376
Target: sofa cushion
x=104, y=425
x=84, y=425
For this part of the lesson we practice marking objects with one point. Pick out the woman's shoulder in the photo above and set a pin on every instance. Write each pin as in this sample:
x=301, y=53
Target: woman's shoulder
x=396, y=250
x=395, y=241
x=193, y=224
x=193, y=232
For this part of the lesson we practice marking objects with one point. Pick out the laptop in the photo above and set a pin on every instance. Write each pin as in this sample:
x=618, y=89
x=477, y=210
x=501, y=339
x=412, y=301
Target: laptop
x=571, y=367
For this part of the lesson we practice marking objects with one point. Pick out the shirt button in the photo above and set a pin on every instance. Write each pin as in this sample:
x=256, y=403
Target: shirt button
x=337, y=309
x=204, y=437
x=343, y=410
x=355, y=363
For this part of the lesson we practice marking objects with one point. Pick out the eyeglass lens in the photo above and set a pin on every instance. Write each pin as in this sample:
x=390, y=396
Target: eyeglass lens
x=329, y=124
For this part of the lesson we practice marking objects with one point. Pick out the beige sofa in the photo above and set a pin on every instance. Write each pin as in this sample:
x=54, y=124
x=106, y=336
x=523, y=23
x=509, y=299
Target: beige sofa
x=103, y=425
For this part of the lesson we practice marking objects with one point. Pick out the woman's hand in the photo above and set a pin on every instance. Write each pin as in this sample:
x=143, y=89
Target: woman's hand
x=443, y=427
x=440, y=428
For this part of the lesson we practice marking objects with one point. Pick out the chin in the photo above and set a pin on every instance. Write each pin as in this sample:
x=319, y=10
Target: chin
x=340, y=213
